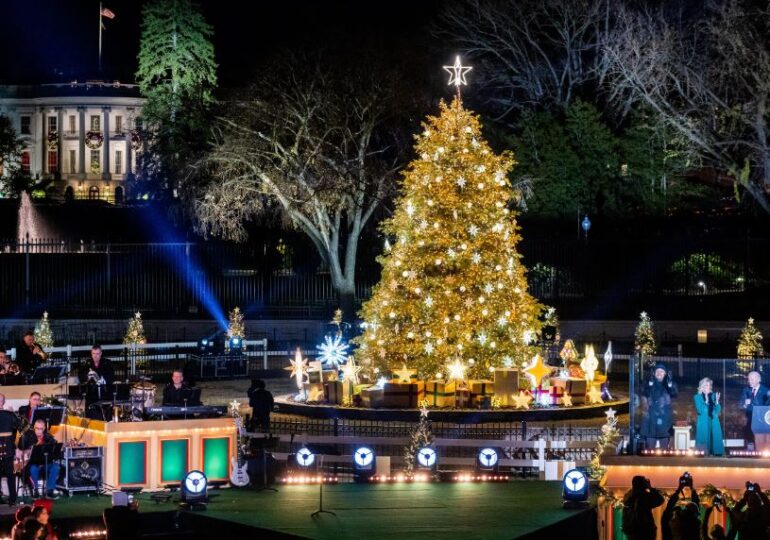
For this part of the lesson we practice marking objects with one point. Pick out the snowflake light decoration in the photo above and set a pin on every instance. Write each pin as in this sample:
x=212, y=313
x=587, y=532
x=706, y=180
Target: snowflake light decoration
x=333, y=352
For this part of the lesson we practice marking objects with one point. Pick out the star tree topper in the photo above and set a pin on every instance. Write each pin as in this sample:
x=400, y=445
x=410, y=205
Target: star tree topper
x=457, y=74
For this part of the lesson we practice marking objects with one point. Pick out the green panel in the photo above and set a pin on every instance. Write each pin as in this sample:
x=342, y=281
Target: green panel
x=132, y=462
x=216, y=458
x=174, y=461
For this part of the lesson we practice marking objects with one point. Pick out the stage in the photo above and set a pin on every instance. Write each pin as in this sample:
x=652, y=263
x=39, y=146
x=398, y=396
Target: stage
x=520, y=509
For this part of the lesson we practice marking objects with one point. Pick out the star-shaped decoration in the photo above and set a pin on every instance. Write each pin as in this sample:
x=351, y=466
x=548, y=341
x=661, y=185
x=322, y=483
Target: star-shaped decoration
x=594, y=395
x=537, y=370
x=502, y=321
x=393, y=285
x=350, y=371
x=482, y=338
x=235, y=407
x=409, y=209
x=476, y=258
x=429, y=301
x=461, y=182
x=473, y=230
x=457, y=73
x=298, y=368
x=424, y=408
x=507, y=361
x=403, y=375
x=451, y=253
x=610, y=414
x=456, y=371
x=411, y=275
x=468, y=303
x=521, y=400
x=488, y=288
x=138, y=315
x=566, y=400
x=333, y=350
x=428, y=348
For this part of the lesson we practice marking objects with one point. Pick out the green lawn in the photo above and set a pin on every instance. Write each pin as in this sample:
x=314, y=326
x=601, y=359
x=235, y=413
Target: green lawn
x=388, y=511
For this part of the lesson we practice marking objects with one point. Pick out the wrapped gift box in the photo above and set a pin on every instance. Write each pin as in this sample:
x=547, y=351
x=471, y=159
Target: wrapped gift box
x=403, y=395
x=322, y=376
x=462, y=397
x=479, y=390
x=506, y=385
x=358, y=388
x=372, y=397
x=569, y=385
x=336, y=391
x=440, y=393
x=314, y=391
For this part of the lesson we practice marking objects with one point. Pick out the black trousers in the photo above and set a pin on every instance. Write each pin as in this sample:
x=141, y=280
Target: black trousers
x=6, y=471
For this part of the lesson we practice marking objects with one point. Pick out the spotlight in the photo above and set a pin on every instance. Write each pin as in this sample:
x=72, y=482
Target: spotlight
x=236, y=344
x=427, y=458
x=193, y=489
x=303, y=458
x=575, y=489
x=363, y=463
x=487, y=460
x=205, y=346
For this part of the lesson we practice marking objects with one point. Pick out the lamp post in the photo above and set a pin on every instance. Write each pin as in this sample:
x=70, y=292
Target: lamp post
x=585, y=225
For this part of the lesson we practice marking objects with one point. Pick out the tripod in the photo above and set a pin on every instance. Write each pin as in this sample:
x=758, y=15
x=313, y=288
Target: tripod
x=321, y=496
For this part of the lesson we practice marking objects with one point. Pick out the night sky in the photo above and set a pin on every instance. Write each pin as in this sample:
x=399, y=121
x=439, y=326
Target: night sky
x=57, y=40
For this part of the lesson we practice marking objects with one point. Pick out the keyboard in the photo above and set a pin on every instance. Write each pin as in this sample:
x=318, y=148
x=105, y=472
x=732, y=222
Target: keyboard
x=196, y=411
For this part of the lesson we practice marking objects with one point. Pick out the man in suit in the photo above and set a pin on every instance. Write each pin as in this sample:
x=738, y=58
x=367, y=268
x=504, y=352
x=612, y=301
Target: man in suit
x=754, y=394
x=99, y=376
x=27, y=411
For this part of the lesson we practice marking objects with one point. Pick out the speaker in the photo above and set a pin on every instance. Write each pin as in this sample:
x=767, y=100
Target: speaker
x=83, y=473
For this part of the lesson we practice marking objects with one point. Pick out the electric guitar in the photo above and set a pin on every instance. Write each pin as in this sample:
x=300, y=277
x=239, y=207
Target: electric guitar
x=238, y=475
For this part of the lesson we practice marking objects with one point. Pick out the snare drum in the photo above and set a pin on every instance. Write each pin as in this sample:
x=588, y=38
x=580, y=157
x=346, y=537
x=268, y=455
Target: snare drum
x=143, y=395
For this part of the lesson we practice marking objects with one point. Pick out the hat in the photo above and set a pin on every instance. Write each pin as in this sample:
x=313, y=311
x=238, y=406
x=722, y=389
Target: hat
x=661, y=365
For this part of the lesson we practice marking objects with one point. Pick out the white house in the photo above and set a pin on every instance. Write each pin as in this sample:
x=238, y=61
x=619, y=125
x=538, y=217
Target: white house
x=80, y=135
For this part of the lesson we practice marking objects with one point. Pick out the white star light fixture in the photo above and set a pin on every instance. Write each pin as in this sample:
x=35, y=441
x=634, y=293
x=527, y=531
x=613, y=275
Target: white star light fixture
x=457, y=73
x=333, y=352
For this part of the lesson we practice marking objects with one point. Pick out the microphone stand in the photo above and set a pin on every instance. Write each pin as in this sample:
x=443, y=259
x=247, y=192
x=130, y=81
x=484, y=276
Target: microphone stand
x=321, y=496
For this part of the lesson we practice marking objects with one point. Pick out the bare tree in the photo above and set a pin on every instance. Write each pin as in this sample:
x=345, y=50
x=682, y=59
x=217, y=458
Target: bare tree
x=310, y=142
x=705, y=75
x=531, y=52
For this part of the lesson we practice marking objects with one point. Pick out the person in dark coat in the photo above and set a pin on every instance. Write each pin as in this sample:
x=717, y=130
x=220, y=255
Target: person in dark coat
x=638, y=502
x=658, y=421
x=755, y=394
x=175, y=392
x=99, y=376
x=29, y=355
x=261, y=402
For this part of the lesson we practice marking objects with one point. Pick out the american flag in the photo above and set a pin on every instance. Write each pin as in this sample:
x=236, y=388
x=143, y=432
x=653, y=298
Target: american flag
x=106, y=12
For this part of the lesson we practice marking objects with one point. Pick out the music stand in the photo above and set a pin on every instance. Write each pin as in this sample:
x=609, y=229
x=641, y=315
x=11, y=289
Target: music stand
x=321, y=494
x=53, y=416
x=263, y=445
x=48, y=374
x=190, y=397
x=41, y=453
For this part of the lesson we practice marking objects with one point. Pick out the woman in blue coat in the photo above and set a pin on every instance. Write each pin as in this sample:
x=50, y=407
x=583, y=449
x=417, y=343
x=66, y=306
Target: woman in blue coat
x=708, y=431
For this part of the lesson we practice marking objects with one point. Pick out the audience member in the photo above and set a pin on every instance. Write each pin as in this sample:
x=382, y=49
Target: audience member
x=638, y=523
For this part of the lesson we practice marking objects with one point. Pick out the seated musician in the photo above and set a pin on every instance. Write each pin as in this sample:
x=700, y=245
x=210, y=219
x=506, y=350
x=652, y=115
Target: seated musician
x=177, y=390
x=29, y=355
x=34, y=437
x=26, y=412
x=99, y=375
x=9, y=371
x=9, y=425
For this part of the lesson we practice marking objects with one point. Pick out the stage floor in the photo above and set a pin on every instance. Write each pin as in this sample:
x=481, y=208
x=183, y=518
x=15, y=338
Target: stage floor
x=387, y=511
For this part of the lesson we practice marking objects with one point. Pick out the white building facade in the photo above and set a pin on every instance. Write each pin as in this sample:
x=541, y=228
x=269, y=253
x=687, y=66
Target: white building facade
x=82, y=137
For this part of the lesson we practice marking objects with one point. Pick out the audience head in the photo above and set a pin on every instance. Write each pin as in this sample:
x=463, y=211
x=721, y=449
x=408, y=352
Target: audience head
x=23, y=513
x=705, y=385
x=754, y=379
x=686, y=520
x=258, y=383
x=40, y=513
x=717, y=532
x=4, y=356
x=33, y=529
x=660, y=371
x=639, y=483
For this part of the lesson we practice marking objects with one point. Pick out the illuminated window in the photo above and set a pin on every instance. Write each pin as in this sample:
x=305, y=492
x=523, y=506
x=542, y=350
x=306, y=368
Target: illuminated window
x=119, y=125
x=93, y=192
x=96, y=161
x=53, y=161
x=118, y=162
x=73, y=124
x=96, y=122
x=52, y=123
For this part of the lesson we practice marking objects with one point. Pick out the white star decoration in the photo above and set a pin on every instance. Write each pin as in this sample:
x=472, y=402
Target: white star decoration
x=333, y=351
x=457, y=73
x=610, y=413
x=235, y=407
x=461, y=182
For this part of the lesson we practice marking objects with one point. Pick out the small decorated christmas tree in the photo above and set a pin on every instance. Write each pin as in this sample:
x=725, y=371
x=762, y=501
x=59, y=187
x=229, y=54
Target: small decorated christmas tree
x=644, y=337
x=236, y=328
x=422, y=436
x=750, y=341
x=607, y=440
x=135, y=332
x=43, y=334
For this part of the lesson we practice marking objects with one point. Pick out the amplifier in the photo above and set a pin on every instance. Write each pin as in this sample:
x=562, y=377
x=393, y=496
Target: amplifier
x=83, y=473
x=83, y=451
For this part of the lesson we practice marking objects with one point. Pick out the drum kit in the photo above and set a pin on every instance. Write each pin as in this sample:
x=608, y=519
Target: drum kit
x=127, y=403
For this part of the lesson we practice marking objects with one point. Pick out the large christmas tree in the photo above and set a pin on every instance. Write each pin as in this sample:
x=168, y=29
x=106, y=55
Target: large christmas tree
x=453, y=286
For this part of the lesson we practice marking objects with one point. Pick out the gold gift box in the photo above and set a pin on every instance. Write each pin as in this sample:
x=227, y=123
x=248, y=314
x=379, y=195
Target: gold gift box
x=440, y=393
x=506, y=385
x=403, y=395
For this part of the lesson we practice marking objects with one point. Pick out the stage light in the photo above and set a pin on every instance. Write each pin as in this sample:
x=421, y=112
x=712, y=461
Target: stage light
x=236, y=344
x=487, y=460
x=194, y=488
x=304, y=457
x=427, y=458
x=363, y=464
x=204, y=346
x=575, y=488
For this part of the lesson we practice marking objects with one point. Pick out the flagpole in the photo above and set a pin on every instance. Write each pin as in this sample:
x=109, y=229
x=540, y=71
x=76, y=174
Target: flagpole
x=100, y=38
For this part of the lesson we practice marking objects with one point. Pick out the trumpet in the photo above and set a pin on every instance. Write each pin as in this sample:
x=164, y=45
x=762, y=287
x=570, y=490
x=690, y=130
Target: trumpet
x=95, y=378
